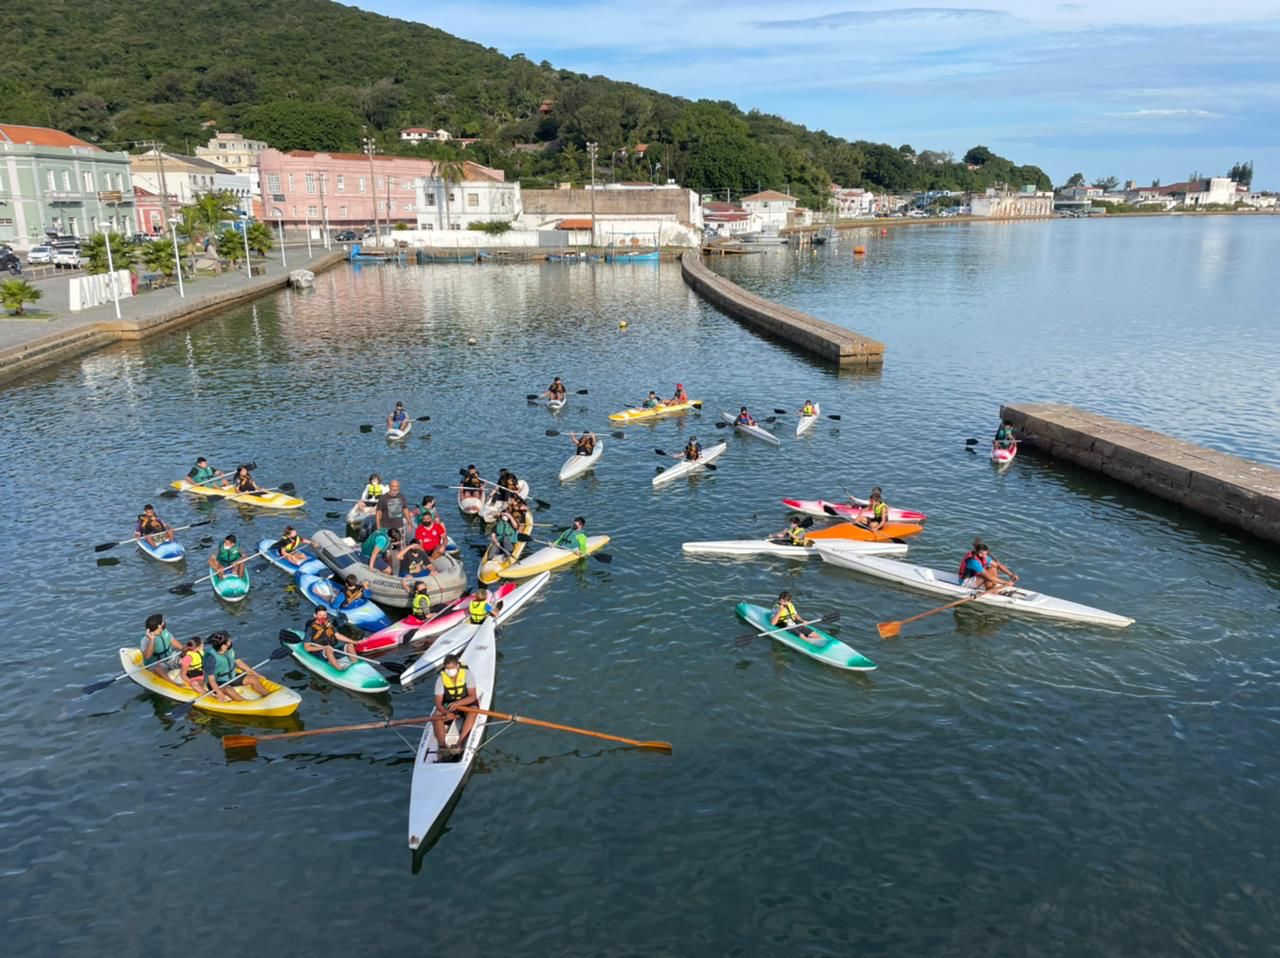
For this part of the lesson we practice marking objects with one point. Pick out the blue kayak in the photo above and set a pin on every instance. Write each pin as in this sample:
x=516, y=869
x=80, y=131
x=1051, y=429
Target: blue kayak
x=312, y=565
x=164, y=552
x=326, y=593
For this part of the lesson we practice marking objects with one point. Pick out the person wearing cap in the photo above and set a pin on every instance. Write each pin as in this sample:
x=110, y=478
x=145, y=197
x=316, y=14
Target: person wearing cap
x=692, y=450
x=398, y=417
x=979, y=569
x=202, y=474
x=221, y=665
x=744, y=418
x=228, y=558
x=455, y=687
x=680, y=397
x=574, y=538
x=876, y=514
x=320, y=638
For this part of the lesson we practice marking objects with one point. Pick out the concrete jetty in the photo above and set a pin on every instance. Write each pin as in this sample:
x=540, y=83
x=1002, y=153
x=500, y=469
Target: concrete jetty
x=26, y=347
x=1235, y=491
x=826, y=340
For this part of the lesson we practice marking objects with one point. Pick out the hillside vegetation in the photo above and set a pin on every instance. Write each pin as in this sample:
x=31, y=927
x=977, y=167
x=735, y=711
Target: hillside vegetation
x=308, y=74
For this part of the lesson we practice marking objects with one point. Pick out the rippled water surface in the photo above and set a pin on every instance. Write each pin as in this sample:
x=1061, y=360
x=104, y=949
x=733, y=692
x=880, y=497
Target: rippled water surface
x=998, y=786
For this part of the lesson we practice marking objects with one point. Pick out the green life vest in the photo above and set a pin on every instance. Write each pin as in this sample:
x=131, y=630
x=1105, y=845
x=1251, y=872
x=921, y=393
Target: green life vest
x=223, y=665
x=160, y=650
x=230, y=556
x=573, y=539
x=199, y=475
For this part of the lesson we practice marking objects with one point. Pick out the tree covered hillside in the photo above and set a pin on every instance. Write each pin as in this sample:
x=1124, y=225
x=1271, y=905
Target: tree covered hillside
x=307, y=74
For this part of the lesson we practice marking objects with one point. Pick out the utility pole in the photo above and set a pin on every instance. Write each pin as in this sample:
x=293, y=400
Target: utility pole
x=324, y=218
x=369, y=148
x=592, y=149
x=158, y=150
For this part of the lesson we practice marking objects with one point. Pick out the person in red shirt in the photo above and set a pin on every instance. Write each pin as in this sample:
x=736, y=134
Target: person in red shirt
x=431, y=533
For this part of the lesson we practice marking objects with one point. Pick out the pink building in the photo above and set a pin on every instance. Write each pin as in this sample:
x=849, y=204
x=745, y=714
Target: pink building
x=340, y=189
x=149, y=208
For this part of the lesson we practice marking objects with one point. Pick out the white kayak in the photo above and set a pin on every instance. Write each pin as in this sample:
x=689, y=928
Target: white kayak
x=763, y=547
x=456, y=639
x=576, y=465
x=555, y=405
x=685, y=466
x=756, y=431
x=436, y=783
x=395, y=435
x=947, y=584
x=492, y=508
x=470, y=501
x=363, y=515
x=808, y=422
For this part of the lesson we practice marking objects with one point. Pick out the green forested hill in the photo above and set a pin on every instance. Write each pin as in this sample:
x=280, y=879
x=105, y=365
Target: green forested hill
x=307, y=74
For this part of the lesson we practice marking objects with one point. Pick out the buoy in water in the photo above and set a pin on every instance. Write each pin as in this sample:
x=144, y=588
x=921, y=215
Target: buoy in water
x=471, y=341
x=622, y=325
x=883, y=231
x=859, y=251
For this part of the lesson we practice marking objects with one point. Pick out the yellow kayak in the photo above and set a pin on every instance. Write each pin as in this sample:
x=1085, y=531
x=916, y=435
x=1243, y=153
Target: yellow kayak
x=494, y=561
x=636, y=415
x=280, y=701
x=264, y=500
x=551, y=557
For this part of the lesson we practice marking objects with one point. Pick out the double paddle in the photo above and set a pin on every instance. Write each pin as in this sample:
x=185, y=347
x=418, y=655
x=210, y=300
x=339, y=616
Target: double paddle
x=788, y=412
x=218, y=477
x=709, y=466
x=104, y=546
x=746, y=638
x=368, y=427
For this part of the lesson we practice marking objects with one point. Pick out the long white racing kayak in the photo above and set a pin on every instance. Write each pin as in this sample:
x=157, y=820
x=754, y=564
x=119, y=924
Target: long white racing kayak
x=936, y=582
x=577, y=465
x=757, y=431
x=436, y=782
x=686, y=466
x=808, y=422
x=764, y=547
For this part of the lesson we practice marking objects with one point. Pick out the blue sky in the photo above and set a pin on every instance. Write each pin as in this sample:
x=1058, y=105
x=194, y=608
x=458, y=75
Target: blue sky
x=1138, y=90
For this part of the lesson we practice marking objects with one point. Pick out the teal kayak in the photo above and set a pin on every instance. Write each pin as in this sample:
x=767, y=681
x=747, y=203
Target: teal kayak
x=357, y=677
x=231, y=588
x=827, y=649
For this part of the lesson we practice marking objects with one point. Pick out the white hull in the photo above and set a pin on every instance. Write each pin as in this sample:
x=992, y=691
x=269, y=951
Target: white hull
x=936, y=582
x=763, y=547
x=755, y=432
x=577, y=465
x=394, y=435
x=808, y=422
x=684, y=467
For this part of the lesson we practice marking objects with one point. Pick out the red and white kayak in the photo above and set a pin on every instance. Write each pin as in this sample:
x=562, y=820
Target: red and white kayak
x=853, y=509
x=411, y=628
x=1002, y=457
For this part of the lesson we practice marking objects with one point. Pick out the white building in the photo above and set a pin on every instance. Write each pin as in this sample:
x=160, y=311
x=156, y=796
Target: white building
x=232, y=151
x=1002, y=204
x=419, y=134
x=455, y=206
x=853, y=203
x=1218, y=190
x=188, y=177
x=772, y=211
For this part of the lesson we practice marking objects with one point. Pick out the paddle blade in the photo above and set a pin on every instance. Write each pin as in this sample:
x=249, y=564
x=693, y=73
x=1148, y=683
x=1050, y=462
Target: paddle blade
x=103, y=547
x=98, y=686
x=696, y=405
x=582, y=392
x=287, y=487
x=397, y=669
x=169, y=494
x=781, y=412
x=722, y=425
x=836, y=418
x=541, y=503
x=971, y=442
x=530, y=396
x=552, y=432
x=661, y=452
x=230, y=742
x=744, y=640
x=710, y=466
x=828, y=510
x=889, y=630
x=183, y=588
x=524, y=537
x=365, y=427
x=604, y=557
x=618, y=434
x=424, y=419
x=806, y=522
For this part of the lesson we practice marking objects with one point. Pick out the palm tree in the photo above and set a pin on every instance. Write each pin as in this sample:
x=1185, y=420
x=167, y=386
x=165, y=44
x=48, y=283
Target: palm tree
x=157, y=257
x=450, y=171
x=95, y=250
x=230, y=245
x=15, y=292
x=214, y=208
x=260, y=238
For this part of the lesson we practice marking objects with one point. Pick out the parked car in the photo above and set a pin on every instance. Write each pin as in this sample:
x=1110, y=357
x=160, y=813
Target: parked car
x=40, y=254
x=346, y=236
x=68, y=257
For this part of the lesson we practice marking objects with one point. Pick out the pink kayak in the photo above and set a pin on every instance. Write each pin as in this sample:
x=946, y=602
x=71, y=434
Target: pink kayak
x=399, y=633
x=853, y=509
x=1002, y=457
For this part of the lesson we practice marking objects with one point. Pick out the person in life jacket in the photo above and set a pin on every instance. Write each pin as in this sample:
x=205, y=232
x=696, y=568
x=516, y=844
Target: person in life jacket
x=398, y=417
x=381, y=545
x=353, y=591
x=373, y=490
x=221, y=666
x=290, y=544
x=505, y=532
x=692, y=450
x=652, y=401
x=808, y=409
x=979, y=569
x=574, y=538
x=455, y=687
x=158, y=646
x=794, y=534
x=228, y=559
x=202, y=474
x=876, y=514
x=680, y=397
x=784, y=616
x=479, y=607
x=556, y=390
x=191, y=665
x=583, y=445
x=1004, y=438
x=471, y=481
x=744, y=418
x=243, y=480
x=420, y=605
x=320, y=638
x=150, y=525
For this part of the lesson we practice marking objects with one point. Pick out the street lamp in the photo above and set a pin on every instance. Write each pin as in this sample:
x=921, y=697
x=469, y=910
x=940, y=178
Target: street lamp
x=657, y=174
x=592, y=150
x=284, y=261
x=177, y=260
x=111, y=267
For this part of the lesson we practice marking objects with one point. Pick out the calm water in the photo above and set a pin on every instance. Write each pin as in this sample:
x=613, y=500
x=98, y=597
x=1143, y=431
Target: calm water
x=997, y=787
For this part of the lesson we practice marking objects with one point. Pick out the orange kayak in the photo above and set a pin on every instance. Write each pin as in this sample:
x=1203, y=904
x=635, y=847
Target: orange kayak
x=848, y=530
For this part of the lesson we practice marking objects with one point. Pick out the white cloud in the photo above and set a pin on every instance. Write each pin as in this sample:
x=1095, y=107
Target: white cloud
x=1166, y=114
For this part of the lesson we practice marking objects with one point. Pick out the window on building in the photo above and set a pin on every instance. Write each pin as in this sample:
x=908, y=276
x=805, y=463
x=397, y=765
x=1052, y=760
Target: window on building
x=431, y=199
x=429, y=226
x=273, y=182
x=408, y=207
x=455, y=226
x=382, y=181
x=48, y=180
x=311, y=182
x=86, y=180
x=342, y=211
x=311, y=211
x=290, y=175
x=66, y=181
x=342, y=184
x=294, y=210
x=93, y=224
x=473, y=199
x=74, y=226
x=361, y=184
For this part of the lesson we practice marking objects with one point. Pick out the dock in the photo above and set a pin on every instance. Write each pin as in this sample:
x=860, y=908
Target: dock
x=826, y=340
x=1234, y=491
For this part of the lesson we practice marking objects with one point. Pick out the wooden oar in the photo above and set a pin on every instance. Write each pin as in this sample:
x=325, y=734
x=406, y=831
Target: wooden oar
x=368, y=427
x=746, y=637
x=523, y=720
x=889, y=630
x=249, y=741
x=104, y=546
x=189, y=588
x=99, y=686
x=604, y=557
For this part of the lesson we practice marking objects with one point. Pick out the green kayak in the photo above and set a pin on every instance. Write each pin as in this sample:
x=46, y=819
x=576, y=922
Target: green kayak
x=827, y=649
x=357, y=677
x=231, y=588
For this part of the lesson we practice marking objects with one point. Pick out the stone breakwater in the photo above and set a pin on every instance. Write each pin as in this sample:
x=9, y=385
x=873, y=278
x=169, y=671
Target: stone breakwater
x=826, y=340
x=1235, y=491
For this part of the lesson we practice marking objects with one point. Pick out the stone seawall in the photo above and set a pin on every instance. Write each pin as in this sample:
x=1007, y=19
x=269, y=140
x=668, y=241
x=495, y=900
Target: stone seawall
x=826, y=340
x=1235, y=491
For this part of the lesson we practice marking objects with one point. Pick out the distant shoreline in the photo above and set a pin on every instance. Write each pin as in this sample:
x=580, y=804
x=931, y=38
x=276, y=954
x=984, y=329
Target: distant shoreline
x=896, y=222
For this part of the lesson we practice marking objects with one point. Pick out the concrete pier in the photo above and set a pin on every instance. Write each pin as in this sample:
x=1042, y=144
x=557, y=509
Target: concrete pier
x=1235, y=491
x=826, y=340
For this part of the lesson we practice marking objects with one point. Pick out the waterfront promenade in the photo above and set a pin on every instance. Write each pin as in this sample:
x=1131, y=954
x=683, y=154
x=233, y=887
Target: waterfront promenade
x=54, y=334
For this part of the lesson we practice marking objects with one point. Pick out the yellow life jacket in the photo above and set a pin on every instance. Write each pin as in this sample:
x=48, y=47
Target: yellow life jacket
x=785, y=613
x=479, y=609
x=195, y=668
x=290, y=544
x=797, y=534
x=421, y=605
x=455, y=688
x=375, y=489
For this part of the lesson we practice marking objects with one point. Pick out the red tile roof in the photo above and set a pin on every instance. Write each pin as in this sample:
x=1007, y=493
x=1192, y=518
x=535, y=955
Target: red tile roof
x=767, y=195
x=574, y=224
x=41, y=136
